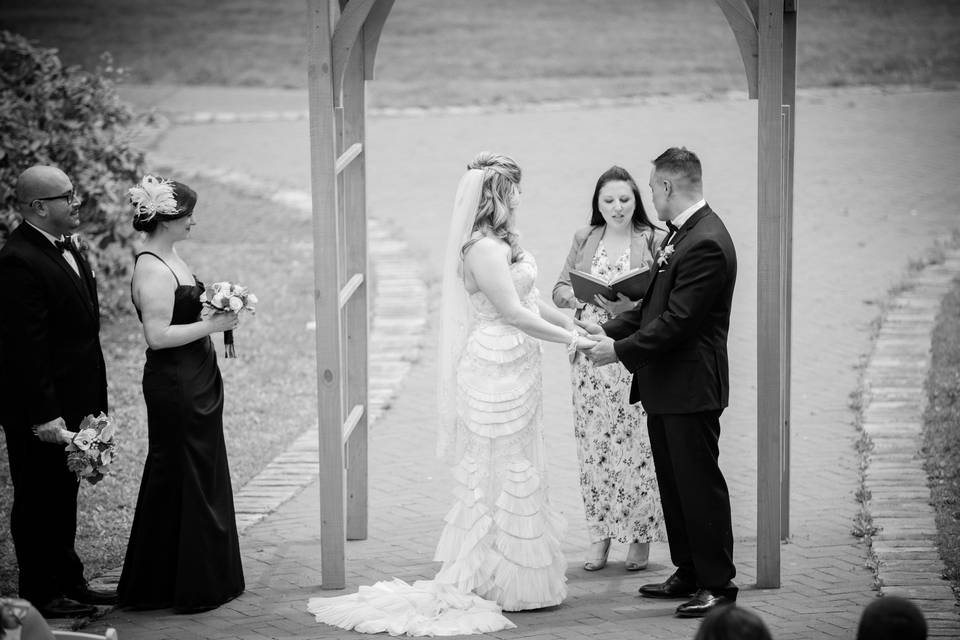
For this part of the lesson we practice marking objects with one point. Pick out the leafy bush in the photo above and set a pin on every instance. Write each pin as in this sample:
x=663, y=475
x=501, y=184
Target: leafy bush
x=67, y=117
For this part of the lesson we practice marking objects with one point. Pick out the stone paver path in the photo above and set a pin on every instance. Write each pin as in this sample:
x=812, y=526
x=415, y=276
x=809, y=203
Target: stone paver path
x=875, y=188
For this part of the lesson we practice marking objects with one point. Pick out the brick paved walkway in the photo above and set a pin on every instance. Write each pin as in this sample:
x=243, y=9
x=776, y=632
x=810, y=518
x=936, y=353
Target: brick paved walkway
x=875, y=188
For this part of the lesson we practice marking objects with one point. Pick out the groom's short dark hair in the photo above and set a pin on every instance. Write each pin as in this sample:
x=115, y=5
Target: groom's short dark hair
x=678, y=161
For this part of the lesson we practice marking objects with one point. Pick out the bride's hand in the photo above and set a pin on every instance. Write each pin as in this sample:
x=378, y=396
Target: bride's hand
x=591, y=328
x=586, y=342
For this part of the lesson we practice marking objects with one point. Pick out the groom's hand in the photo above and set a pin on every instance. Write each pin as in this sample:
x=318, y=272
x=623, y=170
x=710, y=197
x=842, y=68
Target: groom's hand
x=603, y=352
x=592, y=328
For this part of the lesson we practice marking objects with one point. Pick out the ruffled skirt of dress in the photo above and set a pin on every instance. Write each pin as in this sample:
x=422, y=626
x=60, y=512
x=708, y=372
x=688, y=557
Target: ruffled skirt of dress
x=500, y=546
x=502, y=538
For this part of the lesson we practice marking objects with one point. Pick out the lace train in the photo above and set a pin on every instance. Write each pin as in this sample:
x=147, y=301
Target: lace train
x=425, y=608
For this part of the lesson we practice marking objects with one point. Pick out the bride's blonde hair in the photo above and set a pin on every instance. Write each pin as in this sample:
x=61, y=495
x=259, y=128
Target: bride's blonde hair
x=501, y=177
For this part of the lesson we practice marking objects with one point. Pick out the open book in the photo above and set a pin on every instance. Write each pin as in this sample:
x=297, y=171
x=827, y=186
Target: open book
x=632, y=284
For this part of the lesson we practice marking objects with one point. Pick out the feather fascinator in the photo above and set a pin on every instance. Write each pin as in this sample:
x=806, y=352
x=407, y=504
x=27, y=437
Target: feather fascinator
x=153, y=197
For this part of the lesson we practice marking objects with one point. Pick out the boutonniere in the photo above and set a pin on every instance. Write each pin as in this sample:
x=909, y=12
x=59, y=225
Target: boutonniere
x=78, y=244
x=663, y=256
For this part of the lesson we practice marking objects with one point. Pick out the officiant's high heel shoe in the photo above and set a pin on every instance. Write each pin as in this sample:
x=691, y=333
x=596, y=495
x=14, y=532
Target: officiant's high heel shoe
x=637, y=556
x=598, y=555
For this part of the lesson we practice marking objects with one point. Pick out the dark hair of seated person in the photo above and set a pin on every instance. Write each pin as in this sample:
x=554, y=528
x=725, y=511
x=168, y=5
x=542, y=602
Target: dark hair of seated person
x=892, y=618
x=732, y=623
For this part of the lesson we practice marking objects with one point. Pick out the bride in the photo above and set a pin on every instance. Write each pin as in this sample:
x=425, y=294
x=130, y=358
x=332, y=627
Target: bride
x=500, y=546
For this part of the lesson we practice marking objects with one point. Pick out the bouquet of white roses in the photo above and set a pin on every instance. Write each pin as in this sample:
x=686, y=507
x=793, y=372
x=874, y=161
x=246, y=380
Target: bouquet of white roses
x=222, y=297
x=91, y=449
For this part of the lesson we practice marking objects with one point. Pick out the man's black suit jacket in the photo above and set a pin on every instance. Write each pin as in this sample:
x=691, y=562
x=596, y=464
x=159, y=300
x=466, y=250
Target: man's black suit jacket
x=51, y=363
x=675, y=341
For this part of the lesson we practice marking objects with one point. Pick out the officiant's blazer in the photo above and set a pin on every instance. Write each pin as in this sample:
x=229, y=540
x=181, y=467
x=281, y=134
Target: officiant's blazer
x=51, y=363
x=643, y=244
x=675, y=341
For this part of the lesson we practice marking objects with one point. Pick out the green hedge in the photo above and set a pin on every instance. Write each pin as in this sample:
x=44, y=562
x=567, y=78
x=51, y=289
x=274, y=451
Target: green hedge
x=73, y=119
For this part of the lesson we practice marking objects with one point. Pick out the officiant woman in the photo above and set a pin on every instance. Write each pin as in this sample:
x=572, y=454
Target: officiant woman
x=617, y=479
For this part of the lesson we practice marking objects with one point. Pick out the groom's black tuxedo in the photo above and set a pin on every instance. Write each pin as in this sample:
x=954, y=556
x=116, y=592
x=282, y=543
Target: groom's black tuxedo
x=51, y=365
x=675, y=344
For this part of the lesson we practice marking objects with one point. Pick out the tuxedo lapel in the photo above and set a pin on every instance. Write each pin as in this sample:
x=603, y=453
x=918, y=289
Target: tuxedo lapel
x=54, y=254
x=86, y=274
x=691, y=222
x=674, y=239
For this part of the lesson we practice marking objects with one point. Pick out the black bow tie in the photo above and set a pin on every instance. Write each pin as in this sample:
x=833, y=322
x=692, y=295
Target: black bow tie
x=65, y=244
x=672, y=227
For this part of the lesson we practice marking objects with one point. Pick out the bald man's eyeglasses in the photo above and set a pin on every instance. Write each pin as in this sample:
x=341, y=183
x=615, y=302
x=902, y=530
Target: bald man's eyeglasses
x=70, y=196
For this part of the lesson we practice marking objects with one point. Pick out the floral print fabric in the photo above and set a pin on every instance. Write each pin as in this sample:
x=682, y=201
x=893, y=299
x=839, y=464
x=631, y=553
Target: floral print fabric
x=617, y=477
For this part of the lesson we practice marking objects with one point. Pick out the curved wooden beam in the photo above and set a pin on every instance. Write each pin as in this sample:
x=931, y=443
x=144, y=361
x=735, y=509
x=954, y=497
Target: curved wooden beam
x=371, y=35
x=345, y=34
x=744, y=27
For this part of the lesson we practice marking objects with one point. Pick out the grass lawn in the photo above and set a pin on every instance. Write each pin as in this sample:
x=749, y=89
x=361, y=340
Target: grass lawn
x=500, y=51
x=942, y=433
x=270, y=388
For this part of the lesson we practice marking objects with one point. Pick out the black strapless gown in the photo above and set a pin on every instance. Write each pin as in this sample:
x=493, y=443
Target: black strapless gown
x=184, y=551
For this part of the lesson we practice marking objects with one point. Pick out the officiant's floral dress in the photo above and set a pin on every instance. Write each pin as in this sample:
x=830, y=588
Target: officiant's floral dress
x=617, y=477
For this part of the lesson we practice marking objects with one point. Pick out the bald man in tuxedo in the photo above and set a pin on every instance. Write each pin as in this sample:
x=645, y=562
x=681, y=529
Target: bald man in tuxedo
x=52, y=375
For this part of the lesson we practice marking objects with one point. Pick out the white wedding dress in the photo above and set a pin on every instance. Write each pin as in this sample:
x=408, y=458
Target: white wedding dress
x=500, y=546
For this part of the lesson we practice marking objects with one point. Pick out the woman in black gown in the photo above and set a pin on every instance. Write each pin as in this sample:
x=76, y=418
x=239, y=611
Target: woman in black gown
x=183, y=551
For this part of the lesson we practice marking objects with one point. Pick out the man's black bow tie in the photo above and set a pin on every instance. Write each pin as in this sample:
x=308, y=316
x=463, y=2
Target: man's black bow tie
x=64, y=244
x=672, y=227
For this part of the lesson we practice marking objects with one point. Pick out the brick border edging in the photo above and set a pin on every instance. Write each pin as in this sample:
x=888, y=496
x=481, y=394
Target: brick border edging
x=895, y=488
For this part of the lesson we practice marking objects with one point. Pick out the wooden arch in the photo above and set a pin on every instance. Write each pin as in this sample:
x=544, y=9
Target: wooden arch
x=343, y=40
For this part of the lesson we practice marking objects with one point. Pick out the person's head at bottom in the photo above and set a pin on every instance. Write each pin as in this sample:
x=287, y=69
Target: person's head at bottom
x=19, y=620
x=732, y=623
x=892, y=617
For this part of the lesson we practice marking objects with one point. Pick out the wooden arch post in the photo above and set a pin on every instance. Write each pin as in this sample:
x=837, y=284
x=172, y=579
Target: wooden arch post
x=766, y=33
x=343, y=42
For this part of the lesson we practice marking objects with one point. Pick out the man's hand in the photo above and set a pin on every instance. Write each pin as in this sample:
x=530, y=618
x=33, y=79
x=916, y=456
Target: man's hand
x=592, y=328
x=603, y=352
x=50, y=431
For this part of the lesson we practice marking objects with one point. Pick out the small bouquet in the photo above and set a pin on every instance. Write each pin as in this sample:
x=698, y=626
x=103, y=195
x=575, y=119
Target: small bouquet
x=91, y=449
x=221, y=297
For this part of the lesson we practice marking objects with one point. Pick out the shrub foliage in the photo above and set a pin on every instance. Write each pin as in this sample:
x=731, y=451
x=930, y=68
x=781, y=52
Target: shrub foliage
x=72, y=119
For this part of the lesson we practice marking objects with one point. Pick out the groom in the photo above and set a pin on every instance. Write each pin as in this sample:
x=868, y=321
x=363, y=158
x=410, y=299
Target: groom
x=675, y=344
x=52, y=374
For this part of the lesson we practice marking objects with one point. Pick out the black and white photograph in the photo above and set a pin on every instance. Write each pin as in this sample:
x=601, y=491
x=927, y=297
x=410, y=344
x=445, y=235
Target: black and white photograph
x=552, y=319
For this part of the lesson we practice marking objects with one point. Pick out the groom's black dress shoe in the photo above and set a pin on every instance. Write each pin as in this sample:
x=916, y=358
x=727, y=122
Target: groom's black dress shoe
x=704, y=602
x=86, y=595
x=65, y=608
x=672, y=587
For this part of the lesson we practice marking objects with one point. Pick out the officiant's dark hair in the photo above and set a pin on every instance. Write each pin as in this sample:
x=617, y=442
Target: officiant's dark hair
x=186, y=200
x=619, y=174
